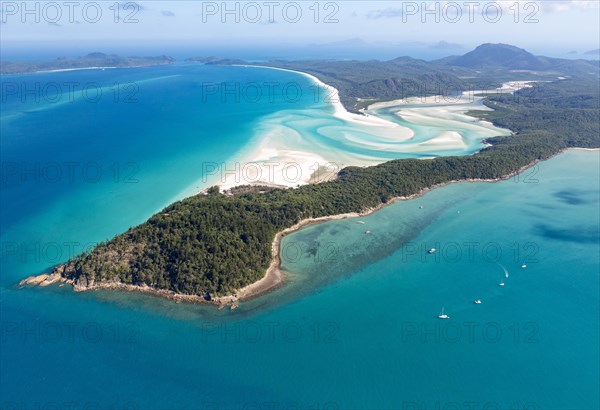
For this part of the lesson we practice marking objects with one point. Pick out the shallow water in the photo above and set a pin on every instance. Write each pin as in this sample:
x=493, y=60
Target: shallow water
x=347, y=330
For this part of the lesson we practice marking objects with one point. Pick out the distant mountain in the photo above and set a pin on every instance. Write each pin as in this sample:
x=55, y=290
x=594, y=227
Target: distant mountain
x=592, y=52
x=504, y=56
x=497, y=55
x=96, y=55
x=212, y=60
x=442, y=45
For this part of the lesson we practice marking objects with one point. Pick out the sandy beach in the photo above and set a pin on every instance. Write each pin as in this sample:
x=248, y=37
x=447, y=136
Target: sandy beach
x=60, y=70
x=278, y=157
x=267, y=151
x=332, y=96
x=283, y=153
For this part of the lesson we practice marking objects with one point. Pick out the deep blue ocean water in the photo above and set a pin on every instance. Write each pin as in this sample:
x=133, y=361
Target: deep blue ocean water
x=357, y=325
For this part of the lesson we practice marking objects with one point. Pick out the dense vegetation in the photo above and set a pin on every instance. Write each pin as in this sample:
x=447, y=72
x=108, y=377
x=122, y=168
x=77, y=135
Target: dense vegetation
x=213, y=244
x=488, y=66
x=361, y=83
x=490, y=57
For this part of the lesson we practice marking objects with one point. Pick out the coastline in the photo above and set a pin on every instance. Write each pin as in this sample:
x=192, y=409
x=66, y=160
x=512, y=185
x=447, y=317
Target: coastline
x=333, y=98
x=61, y=70
x=64, y=70
x=275, y=143
x=269, y=146
x=274, y=276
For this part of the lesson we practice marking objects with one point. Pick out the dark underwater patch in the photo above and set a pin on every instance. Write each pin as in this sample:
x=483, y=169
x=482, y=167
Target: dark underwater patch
x=576, y=197
x=574, y=234
x=542, y=206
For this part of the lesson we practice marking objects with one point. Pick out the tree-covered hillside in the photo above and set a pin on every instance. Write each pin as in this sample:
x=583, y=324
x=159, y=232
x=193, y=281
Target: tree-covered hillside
x=488, y=66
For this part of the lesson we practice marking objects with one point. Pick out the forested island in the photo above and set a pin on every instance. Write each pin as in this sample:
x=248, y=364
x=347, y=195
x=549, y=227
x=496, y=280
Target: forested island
x=213, y=244
x=361, y=83
x=92, y=60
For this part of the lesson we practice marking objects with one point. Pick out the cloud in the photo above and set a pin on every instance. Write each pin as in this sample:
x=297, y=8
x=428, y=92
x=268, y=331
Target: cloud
x=568, y=5
x=130, y=10
x=168, y=13
x=490, y=9
x=551, y=6
x=130, y=6
x=389, y=12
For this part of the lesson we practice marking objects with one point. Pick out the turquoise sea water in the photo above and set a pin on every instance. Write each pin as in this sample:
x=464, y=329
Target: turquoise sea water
x=357, y=325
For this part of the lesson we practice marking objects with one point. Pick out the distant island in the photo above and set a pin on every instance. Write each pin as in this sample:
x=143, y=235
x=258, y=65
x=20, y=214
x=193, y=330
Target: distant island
x=444, y=45
x=223, y=247
x=215, y=60
x=92, y=60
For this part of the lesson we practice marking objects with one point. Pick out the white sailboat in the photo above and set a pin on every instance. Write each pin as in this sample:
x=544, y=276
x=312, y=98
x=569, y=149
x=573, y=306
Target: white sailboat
x=505, y=273
x=442, y=315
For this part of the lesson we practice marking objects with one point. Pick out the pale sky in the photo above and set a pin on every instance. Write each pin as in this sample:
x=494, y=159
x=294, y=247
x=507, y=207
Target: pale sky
x=529, y=24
